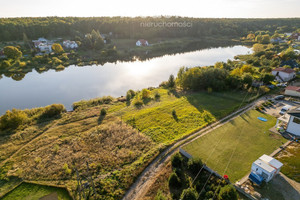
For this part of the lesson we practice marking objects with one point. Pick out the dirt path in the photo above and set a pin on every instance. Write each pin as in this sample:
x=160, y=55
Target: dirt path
x=147, y=177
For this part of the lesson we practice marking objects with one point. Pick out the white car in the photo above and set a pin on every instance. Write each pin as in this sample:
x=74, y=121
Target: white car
x=284, y=109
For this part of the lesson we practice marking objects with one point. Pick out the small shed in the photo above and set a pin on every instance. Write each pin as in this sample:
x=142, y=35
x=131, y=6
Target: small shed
x=272, y=162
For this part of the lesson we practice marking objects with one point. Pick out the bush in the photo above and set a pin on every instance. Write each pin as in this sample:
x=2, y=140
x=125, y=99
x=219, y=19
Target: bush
x=176, y=160
x=68, y=171
x=157, y=96
x=103, y=112
x=138, y=102
x=194, y=165
x=174, y=181
x=228, y=192
x=189, y=194
x=92, y=102
x=12, y=119
x=160, y=196
x=53, y=110
x=131, y=93
x=5, y=64
x=263, y=89
x=146, y=94
x=171, y=81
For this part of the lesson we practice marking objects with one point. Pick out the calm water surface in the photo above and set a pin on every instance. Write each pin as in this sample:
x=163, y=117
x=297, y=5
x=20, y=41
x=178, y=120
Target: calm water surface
x=76, y=83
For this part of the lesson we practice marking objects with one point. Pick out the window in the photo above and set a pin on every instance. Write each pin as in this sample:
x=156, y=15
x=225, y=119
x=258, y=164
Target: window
x=296, y=120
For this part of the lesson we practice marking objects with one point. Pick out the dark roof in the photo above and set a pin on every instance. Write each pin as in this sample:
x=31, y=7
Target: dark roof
x=295, y=112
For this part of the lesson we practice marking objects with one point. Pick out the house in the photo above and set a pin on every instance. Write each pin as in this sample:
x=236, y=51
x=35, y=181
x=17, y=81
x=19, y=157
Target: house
x=70, y=44
x=39, y=41
x=293, y=125
x=292, y=91
x=47, y=48
x=283, y=74
x=264, y=168
x=142, y=42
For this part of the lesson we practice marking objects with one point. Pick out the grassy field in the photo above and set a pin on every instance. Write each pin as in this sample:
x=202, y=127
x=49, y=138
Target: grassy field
x=118, y=146
x=246, y=136
x=290, y=157
x=29, y=191
x=193, y=111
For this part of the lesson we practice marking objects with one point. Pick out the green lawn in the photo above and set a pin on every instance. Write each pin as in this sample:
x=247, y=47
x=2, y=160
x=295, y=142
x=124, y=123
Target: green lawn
x=246, y=136
x=193, y=111
x=290, y=158
x=28, y=191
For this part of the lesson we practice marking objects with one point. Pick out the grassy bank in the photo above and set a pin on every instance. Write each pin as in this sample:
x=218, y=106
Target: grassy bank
x=118, y=145
x=246, y=136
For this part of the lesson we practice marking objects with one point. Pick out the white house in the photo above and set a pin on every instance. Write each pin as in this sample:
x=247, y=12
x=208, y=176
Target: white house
x=293, y=125
x=45, y=47
x=292, y=91
x=142, y=42
x=70, y=44
x=266, y=167
x=283, y=74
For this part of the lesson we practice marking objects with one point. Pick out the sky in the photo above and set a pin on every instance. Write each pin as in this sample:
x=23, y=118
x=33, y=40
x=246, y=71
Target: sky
x=132, y=8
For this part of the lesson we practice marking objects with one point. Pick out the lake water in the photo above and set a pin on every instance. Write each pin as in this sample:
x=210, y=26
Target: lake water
x=77, y=83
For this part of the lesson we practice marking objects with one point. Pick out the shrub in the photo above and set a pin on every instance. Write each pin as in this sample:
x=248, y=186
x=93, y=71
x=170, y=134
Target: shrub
x=92, y=102
x=263, y=89
x=67, y=169
x=157, y=96
x=176, y=160
x=5, y=64
x=12, y=119
x=160, y=196
x=56, y=148
x=209, y=90
x=138, y=102
x=53, y=110
x=103, y=112
x=12, y=52
x=174, y=181
x=131, y=93
x=194, y=165
x=228, y=192
x=189, y=194
x=146, y=94
x=60, y=68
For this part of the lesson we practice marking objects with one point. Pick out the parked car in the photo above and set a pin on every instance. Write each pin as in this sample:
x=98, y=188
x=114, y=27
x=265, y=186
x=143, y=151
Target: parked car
x=284, y=109
x=271, y=86
x=279, y=97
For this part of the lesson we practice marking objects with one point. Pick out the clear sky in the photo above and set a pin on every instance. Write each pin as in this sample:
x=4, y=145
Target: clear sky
x=190, y=8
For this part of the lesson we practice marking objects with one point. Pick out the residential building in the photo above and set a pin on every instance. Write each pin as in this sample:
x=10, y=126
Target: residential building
x=264, y=168
x=70, y=44
x=292, y=91
x=293, y=125
x=47, y=48
x=142, y=42
x=283, y=74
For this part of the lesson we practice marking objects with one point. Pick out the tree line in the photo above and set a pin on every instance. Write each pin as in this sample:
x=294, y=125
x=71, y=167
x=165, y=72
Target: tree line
x=125, y=27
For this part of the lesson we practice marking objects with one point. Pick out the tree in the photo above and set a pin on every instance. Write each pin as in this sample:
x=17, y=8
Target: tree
x=251, y=36
x=171, y=81
x=228, y=192
x=265, y=39
x=194, y=165
x=12, y=119
x=247, y=79
x=57, y=48
x=258, y=48
x=145, y=93
x=174, y=181
x=258, y=38
x=189, y=194
x=176, y=160
x=12, y=52
x=267, y=78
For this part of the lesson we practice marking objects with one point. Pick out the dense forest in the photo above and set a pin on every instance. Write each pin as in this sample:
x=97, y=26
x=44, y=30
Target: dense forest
x=138, y=27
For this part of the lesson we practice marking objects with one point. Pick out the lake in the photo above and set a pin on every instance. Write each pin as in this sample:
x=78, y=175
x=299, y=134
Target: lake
x=115, y=79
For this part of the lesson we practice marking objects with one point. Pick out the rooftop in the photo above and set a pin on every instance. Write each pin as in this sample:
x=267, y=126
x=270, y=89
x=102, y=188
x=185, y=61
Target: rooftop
x=271, y=161
x=264, y=165
x=286, y=70
x=295, y=112
x=294, y=88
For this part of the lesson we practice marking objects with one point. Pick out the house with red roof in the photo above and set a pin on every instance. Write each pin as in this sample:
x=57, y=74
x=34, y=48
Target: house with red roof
x=142, y=42
x=283, y=74
x=292, y=91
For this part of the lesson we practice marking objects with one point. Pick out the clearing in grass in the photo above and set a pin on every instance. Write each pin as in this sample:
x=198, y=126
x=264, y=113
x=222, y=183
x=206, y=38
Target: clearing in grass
x=246, y=136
